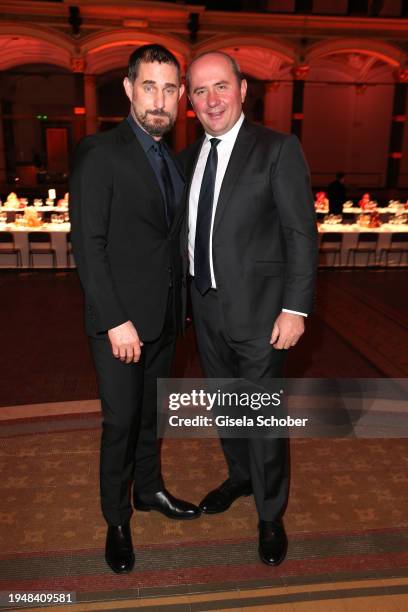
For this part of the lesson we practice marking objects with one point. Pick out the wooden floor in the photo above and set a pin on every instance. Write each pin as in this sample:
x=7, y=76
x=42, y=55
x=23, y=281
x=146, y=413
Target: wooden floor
x=47, y=359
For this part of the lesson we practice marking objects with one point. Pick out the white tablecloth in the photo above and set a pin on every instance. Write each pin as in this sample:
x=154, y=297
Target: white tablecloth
x=55, y=209
x=58, y=233
x=350, y=238
x=356, y=210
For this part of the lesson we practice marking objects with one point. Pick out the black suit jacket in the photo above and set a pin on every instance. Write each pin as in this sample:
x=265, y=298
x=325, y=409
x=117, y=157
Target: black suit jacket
x=126, y=255
x=264, y=236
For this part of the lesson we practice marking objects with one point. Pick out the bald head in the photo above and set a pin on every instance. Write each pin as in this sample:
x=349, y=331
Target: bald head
x=217, y=91
x=234, y=65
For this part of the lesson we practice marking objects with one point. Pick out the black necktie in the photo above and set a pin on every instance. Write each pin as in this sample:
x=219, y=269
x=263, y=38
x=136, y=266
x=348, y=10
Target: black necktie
x=202, y=272
x=169, y=196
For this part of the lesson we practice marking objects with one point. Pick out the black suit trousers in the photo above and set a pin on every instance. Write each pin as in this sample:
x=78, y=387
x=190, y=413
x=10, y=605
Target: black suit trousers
x=263, y=461
x=129, y=446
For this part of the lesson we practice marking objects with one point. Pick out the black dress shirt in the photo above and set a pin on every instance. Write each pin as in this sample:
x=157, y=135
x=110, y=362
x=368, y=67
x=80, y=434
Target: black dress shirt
x=148, y=144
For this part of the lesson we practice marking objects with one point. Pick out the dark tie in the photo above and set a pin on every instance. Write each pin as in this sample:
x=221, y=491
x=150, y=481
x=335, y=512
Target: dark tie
x=169, y=196
x=202, y=271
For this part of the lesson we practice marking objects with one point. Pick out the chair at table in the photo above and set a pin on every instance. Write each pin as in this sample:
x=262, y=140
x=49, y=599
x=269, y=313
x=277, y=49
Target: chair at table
x=366, y=245
x=8, y=247
x=69, y=250
x=40, y=244
x=398, y=246
x=330, y=244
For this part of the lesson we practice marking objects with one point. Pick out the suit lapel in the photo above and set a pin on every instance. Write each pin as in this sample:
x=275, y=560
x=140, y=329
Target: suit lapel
x=181, y=205
x=140, y=162
x=242, y=148
x=190, y=169
x=176, y=163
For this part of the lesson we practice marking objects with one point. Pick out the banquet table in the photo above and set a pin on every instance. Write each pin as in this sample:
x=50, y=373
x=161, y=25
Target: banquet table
x=58, y=233
x=350, y=234
x=18, y=209
x=356, y=210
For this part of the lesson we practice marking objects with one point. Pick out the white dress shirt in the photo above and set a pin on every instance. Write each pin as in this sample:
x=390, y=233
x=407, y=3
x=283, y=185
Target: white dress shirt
x=224, y=150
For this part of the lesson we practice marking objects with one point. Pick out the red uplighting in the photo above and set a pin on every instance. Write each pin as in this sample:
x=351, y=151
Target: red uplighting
x=396, y=155
x=79, y=110
x=191, y=113
x=298, y=116
x=399, y=118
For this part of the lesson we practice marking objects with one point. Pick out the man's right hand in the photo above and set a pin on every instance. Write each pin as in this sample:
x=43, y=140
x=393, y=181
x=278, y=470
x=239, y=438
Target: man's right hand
x=125, y=342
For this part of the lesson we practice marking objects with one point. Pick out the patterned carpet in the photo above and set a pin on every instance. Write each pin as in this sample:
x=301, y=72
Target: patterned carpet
x=347, y=515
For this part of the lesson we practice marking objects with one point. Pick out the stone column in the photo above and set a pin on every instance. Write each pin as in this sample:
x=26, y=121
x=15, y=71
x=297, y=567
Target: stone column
x=397, y=128
x=91, y=105
x=79, y=117
x=3, y=170
x=180, y=134
x=7, y=148
x=300, y=73
x=271, y=90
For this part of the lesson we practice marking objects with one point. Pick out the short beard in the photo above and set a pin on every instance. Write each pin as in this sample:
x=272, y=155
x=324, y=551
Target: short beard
x=157, y=128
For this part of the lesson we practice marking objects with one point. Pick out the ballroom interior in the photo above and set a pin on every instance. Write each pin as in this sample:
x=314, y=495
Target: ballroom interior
x=335, y=74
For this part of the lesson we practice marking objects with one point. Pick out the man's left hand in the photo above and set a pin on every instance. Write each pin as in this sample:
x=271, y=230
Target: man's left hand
x=287, y=330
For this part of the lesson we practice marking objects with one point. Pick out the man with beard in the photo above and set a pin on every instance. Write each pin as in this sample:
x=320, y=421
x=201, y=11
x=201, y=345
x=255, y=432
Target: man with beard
x=125, y=207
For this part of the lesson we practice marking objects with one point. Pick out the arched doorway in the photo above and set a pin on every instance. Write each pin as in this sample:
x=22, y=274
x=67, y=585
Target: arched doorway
x=37, y=105
x=36, y=86
x=348, y=107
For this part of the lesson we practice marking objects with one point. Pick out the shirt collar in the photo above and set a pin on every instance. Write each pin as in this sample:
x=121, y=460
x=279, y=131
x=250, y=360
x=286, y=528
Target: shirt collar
x=143, y=137
x=232, y=134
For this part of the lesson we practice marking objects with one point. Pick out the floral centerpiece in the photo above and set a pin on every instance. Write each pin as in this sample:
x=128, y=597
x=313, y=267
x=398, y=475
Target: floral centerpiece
x=374, y=219
x=366, y=203
x=321, y=201
x=13, y=201
x=32, y=218
x=363, y=220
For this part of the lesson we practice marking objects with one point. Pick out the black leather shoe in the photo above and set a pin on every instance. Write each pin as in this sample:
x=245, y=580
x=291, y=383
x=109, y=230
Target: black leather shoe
x=273, y=542
x=221, y=499
x=164, y=502
x=119, y=549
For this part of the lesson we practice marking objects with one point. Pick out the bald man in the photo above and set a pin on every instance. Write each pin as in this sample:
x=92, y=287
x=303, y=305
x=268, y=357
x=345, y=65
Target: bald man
x=252, y=245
